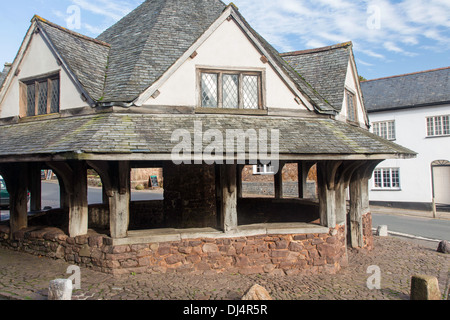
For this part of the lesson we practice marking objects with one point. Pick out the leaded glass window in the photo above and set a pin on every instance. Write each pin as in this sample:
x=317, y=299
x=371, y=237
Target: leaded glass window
x=209, y=90
x=250, y=92
x=230, y=90
x=42, y=100
x=31, y=99
x=42, y=95
x=351, y=107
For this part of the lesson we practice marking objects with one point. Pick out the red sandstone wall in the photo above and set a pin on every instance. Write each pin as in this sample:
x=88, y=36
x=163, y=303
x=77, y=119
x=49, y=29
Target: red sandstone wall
x=272, y=254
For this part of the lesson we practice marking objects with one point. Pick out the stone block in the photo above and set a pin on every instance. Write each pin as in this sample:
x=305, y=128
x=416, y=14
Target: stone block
x=382, y=231
x=60, y=289
x=424, y=287
x=257, y=292
x=444, y=247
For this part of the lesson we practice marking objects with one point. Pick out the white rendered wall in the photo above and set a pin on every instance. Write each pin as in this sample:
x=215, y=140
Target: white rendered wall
x=227, y=47
x=39, y=60
x=415, y=174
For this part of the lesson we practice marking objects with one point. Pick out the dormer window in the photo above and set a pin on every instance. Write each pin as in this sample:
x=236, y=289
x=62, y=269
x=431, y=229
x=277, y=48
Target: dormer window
x=352, y=113
x=40, y=95
x=230, y=89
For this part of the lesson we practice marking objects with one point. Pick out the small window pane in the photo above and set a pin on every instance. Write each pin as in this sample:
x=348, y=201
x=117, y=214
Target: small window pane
x=430, y=127
x=209, y=90
x=54, y=107
x=250, y=92
x=377, y=178
x=445, y=125
x=42, y=105
x=230, y=91
x=31, y=100
x=351, y=114
x=395, y=178
x=391, y=135
x=386, y=178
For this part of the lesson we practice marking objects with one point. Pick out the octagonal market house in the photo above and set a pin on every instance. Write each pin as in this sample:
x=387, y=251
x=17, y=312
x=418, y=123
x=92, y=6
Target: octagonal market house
x=72, y=103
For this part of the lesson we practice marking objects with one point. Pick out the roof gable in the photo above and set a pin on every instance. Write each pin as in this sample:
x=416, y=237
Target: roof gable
x=407, y=91
x=85, y=57
x=150, y=39
x=325, y=69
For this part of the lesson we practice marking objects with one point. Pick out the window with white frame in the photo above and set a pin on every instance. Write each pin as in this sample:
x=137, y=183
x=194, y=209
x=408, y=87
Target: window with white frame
x=384, y=129
x=386, y=179
x=230, y=89
x=263, y=169
x=438, y=126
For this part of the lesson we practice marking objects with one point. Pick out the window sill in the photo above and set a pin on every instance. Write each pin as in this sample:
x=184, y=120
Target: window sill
x=440, y=136
x=40, y=117
x=386, y=189
x=257, y=112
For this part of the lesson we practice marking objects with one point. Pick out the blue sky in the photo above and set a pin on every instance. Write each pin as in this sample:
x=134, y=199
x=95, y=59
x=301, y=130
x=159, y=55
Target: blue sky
x=390, y=37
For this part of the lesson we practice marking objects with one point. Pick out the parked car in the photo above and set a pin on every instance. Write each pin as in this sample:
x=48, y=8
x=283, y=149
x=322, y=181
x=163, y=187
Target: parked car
x=4, y=195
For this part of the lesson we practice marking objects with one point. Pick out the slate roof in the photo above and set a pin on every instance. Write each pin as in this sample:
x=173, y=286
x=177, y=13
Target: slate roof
x=325, y=69
x=115, y=133
x=4, y=73
x=302, y=84
x=87, y=58
x=425, y=88
x=131, y=55
x=150, y=39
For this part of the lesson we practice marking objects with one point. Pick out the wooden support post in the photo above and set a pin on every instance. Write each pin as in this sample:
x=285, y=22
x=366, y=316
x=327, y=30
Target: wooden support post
x=116, y=184
x=35, y=187
x=228, y=203
x=240, y=167
x=356, y=228
x=278, y=181
x=326, y=180
x=16, y=180
x=119, y=201
x=78, y=213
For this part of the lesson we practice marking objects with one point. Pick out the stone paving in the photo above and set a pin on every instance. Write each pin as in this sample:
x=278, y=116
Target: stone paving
x=23, y=277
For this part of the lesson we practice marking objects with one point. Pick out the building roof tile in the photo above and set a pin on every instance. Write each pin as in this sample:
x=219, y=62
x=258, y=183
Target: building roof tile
x=431, y=87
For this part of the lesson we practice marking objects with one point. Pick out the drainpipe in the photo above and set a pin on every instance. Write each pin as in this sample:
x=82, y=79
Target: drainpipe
x=433, y=202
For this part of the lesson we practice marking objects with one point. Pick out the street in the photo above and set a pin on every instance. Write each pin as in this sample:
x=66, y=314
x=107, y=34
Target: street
x=417, y=226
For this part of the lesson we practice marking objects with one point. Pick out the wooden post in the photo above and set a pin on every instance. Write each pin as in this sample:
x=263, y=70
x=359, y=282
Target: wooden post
x=119, y=201
x=35, y=187
x=78, y=213
x=16, y=180
x=240, y=167
x=326, y=182
x=356, y=229
x=228, y=203
x=278, y=181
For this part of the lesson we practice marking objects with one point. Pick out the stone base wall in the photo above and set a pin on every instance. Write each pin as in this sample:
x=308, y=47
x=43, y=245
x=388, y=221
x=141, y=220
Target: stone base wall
x=272, y=254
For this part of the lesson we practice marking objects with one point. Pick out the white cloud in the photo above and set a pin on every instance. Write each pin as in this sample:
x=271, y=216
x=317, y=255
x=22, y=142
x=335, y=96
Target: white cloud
x=110, y=9
x=396, y=27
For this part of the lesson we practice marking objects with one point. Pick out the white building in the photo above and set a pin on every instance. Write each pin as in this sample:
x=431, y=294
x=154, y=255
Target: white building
x=412, y=110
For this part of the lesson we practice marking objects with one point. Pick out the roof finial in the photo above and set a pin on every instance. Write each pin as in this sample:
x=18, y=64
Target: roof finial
x=234, y=6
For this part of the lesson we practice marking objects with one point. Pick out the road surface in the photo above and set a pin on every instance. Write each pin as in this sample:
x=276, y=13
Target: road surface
x=423, y=227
